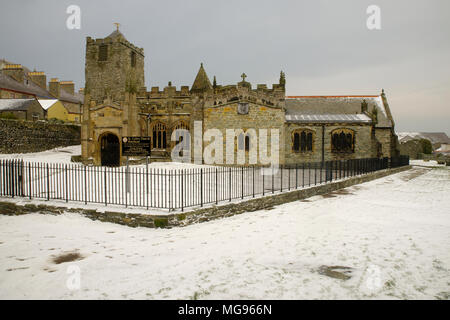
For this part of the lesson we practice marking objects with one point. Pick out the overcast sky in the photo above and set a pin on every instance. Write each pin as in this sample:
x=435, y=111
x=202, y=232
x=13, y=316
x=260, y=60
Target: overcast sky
x=324, y=47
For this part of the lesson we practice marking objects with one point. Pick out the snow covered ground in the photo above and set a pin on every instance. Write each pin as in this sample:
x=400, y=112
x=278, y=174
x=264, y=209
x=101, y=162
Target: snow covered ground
x=63, y=155
x=394, y=234
x=423, y=163
x=57, y=155
x=164, y=187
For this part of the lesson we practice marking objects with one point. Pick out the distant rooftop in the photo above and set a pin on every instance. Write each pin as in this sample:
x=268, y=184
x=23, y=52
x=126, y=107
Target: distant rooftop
x=28, y=87
x=339, y=96
x=434, y=137
x=339, y=105
x=15, y=104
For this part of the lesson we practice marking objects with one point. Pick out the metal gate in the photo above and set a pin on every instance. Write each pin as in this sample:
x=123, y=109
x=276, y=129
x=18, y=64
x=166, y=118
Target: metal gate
x=12, y=178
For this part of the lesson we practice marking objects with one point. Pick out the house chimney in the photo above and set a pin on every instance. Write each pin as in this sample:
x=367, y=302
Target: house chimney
x=68, y=86
x=54, y=87
x=15, y=71
x=39, y=78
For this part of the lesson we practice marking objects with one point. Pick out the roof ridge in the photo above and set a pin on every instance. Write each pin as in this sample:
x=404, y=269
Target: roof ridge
x=335, y=96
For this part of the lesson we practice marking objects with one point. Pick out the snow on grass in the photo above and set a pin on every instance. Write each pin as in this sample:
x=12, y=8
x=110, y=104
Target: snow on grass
x=392, y=236
x=423, y=163
x=92, y=187
x=64, y=154
x=57, y=155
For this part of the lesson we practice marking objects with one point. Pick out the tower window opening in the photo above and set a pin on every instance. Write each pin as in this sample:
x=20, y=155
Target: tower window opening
x=103, y=52
x=133, y=59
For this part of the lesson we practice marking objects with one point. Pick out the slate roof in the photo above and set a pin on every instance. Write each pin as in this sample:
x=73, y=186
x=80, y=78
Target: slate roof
x=338, y=105
x=29, y=87
x=328, y=118
x=15, y=104
x=76, y=98
x=116, y=34
x=434, y=137
x=73, y=108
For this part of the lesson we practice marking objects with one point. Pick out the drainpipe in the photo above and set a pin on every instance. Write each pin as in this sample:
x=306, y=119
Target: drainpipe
x=323, y=143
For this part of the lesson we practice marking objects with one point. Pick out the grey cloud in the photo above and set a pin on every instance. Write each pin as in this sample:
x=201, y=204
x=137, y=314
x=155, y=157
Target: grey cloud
x=323, y=46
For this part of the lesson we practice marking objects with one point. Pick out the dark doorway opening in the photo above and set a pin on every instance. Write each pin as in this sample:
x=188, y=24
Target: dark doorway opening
x=110, y=150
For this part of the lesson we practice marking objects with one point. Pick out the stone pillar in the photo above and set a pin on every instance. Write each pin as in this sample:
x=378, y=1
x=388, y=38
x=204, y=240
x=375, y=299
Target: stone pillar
x=132, y=115
x=85, y=129
x=125, y=116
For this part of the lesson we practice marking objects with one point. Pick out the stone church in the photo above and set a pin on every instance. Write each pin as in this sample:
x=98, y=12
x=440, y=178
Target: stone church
x=311, y=128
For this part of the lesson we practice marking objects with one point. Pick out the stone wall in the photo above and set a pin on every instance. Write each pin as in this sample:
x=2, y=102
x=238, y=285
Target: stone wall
x=412, y=148
x=24, y=136
x=226, y=116
x=364, y=143
x=384, y=136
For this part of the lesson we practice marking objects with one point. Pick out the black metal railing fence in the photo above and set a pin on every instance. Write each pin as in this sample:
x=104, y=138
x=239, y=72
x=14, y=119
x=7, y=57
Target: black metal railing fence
x=172, y=189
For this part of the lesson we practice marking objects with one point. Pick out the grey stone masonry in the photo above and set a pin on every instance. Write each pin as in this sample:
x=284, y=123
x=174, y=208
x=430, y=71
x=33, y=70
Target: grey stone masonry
x=25, y=136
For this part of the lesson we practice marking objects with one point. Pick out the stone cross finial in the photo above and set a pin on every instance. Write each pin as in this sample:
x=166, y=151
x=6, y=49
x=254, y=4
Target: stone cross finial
x=243, y=76
x=117, y=25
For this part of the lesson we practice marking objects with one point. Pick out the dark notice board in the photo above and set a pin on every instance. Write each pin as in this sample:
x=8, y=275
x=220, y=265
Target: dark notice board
x=136, y=146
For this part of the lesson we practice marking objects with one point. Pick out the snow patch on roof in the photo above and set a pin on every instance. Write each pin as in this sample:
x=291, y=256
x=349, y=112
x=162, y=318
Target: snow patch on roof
x=357, y=118
x=47, y=103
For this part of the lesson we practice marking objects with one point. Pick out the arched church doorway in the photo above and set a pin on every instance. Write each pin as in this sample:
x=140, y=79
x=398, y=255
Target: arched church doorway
x=110, y=150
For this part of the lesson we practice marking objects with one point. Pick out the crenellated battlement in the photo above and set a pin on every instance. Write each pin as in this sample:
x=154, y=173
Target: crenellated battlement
x=168, y=91
x=110, y=40
x=221, y=95
x=243, y=92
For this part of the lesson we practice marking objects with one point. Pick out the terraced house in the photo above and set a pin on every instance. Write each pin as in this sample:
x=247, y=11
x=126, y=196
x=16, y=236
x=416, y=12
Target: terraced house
x=18, y=82
x=310, y=128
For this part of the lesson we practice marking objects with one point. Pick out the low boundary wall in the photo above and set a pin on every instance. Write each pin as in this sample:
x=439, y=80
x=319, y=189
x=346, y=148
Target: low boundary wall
x=203, y=214
x=18, y=136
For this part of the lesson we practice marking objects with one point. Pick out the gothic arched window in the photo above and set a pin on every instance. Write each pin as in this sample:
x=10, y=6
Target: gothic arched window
x=247, y=143
x=343, y=141
x=159, y=135
x=302, y=141
x=309, y=141
x=103, y=52
x=296, y=143
x=181, y=125
x=244, y=141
